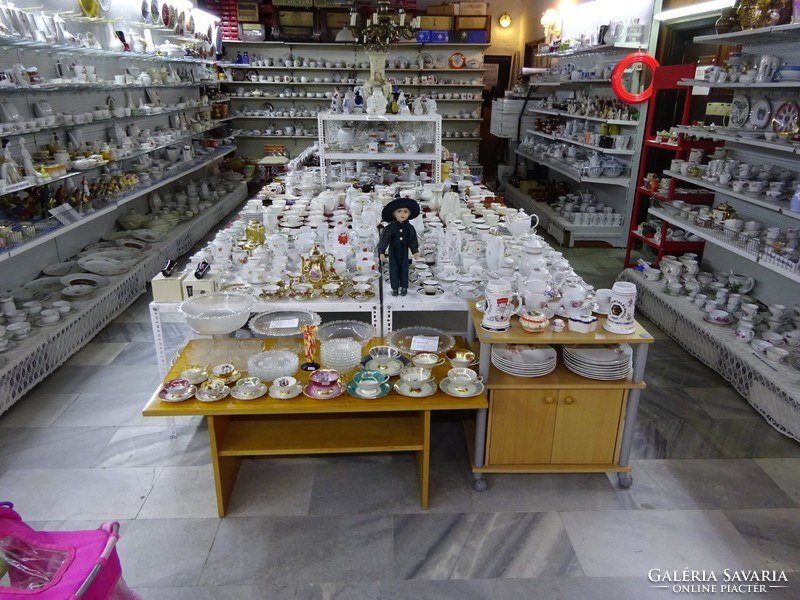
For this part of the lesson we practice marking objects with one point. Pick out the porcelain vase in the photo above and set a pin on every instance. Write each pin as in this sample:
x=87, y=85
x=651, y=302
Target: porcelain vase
x=377, y=75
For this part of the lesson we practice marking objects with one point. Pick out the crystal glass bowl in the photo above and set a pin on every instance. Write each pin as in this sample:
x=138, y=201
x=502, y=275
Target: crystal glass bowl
x=216, y=313
x=341, y=354
x=357, y=330
x=273, y=364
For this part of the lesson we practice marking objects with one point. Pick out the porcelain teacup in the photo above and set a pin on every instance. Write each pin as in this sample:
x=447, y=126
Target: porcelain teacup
x=177, y=387
x=369, y=382
x=463, y=376
x=414, y=377
x=427, y=360
x=49, y=316
x=284, y=386
x=461, y=358
x=248, y=385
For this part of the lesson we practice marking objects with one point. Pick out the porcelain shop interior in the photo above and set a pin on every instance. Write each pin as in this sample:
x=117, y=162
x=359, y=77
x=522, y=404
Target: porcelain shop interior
x=230, y=167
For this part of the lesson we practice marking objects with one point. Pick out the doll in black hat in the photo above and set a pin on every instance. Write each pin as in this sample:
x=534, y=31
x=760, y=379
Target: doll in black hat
x=397, y=238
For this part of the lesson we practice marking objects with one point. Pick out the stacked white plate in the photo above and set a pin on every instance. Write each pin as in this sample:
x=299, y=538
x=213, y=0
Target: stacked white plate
x=605, y=363
x=524, y=360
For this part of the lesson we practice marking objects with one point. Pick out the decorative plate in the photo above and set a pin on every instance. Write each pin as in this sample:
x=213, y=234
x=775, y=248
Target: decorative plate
x=179, y=23
x=281, y=322
x=105, y=5
x=165, y=17
x=425, y=61
x=90, y=8
x=786, y=118
x=457, y=60
x=89, y=279
x=761, y=113
x=189, y=24
x=740, y=110
x=439, y=62
x=146, y=10
x=155, y=13
x=401, y=338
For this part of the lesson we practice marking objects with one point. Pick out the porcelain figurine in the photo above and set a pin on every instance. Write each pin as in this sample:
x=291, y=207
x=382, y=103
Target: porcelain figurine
x=377, y=103
x=397, y=239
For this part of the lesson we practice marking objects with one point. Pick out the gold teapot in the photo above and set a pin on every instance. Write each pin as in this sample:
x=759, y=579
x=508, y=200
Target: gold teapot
x=723, y=211
x=317, y=266
x=255, y=232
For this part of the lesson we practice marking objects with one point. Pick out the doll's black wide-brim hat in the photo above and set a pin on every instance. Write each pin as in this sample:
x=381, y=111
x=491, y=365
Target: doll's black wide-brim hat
x=409, y=203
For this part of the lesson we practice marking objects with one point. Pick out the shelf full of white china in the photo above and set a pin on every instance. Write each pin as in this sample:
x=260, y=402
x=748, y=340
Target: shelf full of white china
x=196, y=165
x=749, y=248
x=732, y=135
x=565, y=169
x=563, y=113
x=780, y=206
x=767, y=85
x=558, y=138
x=429, y=126
x=776, y=34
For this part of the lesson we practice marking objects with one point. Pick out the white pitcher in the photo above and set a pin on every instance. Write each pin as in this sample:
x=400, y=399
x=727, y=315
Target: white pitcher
x=498, y=306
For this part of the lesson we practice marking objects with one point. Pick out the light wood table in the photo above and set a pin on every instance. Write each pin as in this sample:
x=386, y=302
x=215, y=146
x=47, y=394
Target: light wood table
x=302, y=425
x=561, y=422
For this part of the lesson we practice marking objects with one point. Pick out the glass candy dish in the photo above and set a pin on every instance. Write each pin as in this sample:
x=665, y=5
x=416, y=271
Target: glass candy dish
x=357, y=330
x=273, y=364
x=216, y=313
x=401, y=339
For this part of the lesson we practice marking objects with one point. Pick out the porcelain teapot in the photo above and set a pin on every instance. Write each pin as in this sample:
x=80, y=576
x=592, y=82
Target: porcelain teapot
x=520, y=223
x=740, y=284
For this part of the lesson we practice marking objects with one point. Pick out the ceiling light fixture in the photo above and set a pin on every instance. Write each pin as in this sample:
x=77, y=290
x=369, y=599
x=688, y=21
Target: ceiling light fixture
x=505, y=20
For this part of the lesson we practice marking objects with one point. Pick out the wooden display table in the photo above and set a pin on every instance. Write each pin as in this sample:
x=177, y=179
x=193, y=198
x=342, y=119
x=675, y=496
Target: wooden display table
x=302, y=425
x=561, y=422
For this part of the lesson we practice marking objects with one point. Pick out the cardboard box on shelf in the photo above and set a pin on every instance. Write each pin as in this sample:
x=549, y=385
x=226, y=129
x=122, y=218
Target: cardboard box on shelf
x=472, y=9
x=169, y=289
x=472, y=23
x=441, y=23
x=443, y=9
x=192, y=286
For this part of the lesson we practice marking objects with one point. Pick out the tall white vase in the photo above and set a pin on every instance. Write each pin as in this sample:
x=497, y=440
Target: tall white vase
x=377, y=75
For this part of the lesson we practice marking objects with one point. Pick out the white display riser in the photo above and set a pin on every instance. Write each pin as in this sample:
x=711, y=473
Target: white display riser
x=36, y=357
x=772, y=389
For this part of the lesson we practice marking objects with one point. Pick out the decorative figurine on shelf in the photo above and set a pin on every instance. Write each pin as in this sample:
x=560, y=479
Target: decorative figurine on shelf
x=397, y=238
x=377, y=103
x=347, y=103
x=309, y=347
x=430, y=106
x=402, y=106
x=358, y=101
x=336, y=101
x=416, y=106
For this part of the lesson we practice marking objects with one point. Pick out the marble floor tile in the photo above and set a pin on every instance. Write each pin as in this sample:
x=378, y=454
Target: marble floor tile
x=709, y=484
x=52, y=447
x=481, y=546
x=774, y=534
x=37, y=410
x=74, y=494
x=152, y=447
x=149, y=544
x=265, y=488
x=96, y=354
x=722, y=403
x=69, y=379
x=454, y=589
x=669, y=402
x=255, y=550
x=115, y=410
x=630, y=543
x=665, y=372
x=181, y=493
x=338, y=591
x=136, y=353
x=575, y=588
x=125, y=332
x=386, y=488
x=231, y=592
x=785, y=472
x=549, y=492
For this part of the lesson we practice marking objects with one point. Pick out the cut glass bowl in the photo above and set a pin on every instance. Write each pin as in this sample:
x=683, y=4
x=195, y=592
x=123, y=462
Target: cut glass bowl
x=216, y=313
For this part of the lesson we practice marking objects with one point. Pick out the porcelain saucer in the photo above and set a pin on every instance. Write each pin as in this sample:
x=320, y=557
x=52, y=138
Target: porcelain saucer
x=286, y=393
x=204, y=395
x=39, y=323
x=472, y=389
x=333, y=391
x=18, y=338
x=596, y=309
x=11, y=344
x=240, y=395
x=427, y=388
x=356, y=296
x=384, y=389
x=167, y=397
x=194, y=377
x=708, y=319
x=392, y=368
x=439, y=291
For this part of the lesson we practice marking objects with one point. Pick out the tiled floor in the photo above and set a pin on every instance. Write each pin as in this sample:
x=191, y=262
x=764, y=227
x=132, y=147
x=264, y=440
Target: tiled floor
x=715, y=487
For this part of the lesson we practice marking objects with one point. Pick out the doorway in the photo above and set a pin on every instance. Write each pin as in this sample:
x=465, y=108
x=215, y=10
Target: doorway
x=490, y=146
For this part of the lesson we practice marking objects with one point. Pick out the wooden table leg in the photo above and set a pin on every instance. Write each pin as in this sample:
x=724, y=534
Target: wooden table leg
x=424, y=457
x=226, y=468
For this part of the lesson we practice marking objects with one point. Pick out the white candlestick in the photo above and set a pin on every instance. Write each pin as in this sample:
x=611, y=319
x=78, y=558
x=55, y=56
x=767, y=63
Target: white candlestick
x=353, y=18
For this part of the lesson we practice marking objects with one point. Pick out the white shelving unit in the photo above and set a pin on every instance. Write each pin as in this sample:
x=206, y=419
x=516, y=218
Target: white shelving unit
x=429, y=125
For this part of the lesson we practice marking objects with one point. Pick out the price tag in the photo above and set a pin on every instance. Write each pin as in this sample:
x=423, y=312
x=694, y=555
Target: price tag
x=284, y=323
x=424, y=343
x=65, y=214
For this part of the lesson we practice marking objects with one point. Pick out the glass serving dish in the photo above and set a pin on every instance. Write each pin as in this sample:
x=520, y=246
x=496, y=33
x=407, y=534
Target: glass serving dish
x=402, y=338
x=341, y=354
x=357, y=330
x=217, y=313
x=273, y=364
x=282, y=322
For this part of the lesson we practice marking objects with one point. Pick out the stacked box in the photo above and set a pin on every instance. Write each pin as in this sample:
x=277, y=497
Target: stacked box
x=505, y=118
x=464, y=23
x=443, y=10
x=472, y=9
x=436, y=23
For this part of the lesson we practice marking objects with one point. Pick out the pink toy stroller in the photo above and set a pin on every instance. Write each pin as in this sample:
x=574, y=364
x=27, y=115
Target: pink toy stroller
x=59, y=565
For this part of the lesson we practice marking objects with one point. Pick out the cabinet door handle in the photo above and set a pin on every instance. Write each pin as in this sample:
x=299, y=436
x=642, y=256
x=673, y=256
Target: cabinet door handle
x=569, y=400
x=549, y=400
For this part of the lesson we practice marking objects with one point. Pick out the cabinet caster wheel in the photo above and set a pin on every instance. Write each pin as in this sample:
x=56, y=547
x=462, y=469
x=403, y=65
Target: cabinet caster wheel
x=480, y=485
x=624, y=480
